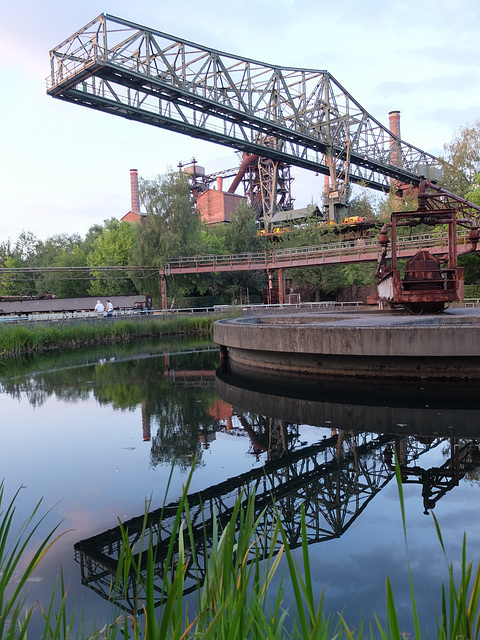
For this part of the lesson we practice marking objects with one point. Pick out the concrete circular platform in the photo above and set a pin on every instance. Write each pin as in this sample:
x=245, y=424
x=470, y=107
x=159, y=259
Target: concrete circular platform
x=440, y=346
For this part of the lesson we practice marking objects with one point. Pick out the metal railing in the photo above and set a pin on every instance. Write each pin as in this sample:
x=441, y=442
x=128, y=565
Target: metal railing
x=351, y=251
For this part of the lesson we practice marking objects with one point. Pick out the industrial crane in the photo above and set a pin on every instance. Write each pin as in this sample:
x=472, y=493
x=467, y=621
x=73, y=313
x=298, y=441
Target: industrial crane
x=283, y=116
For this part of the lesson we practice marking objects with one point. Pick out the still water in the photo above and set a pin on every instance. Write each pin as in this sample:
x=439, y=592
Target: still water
x=95, y=434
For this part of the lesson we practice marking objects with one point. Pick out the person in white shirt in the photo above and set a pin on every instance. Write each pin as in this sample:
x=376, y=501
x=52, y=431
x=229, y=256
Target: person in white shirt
x=109, y=309
x=99, y=308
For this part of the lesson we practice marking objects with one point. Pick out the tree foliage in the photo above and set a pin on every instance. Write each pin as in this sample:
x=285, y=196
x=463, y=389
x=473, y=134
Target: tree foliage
x=60, y=250
x=113, y=247
x=172, y=228
x=462, y=160
x=473, y=194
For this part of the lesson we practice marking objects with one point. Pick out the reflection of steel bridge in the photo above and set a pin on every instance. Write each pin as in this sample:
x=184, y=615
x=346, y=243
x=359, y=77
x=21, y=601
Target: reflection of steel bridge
x=334, y=481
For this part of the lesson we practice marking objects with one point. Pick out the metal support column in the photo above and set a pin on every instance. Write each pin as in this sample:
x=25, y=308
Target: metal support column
x=270, y=287
x=281, y=287
x=163, y=290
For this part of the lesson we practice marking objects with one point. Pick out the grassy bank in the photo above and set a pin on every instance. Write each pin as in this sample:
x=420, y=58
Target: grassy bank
x=21, y=340
x=234, y=598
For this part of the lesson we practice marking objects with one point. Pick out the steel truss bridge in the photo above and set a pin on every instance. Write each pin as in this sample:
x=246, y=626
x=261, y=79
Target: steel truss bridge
x=301, y=117
x=334, y=481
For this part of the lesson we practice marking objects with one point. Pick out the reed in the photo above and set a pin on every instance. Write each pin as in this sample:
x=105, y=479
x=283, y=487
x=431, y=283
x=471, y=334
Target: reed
x=14, y=617
x=235, y=599
x=33, y=339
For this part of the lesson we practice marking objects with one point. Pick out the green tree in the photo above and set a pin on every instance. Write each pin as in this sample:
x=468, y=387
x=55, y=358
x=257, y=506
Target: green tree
x=26, y=248
x=71, y=285
x=172, y=228
x=324, y=282
x=462, y=160
x=241, y=232
x=473, y=195
x=364, y=204
x=240, y=236
x=60, y=250
x=113, y=247
x=9, y=285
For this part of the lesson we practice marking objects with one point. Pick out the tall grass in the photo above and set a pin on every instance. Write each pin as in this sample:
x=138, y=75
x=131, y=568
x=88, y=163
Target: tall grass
x=236, y=599
x=14, y=618
x=18, y=340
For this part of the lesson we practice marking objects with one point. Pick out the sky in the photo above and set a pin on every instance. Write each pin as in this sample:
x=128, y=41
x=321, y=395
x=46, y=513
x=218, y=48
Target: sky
x=64, y=168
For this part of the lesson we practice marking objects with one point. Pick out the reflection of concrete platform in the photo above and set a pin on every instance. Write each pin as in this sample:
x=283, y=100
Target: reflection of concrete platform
x=431, y=409
x=445, y=345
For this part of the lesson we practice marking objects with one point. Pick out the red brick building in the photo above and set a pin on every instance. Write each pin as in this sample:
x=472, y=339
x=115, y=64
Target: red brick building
x=217, y=206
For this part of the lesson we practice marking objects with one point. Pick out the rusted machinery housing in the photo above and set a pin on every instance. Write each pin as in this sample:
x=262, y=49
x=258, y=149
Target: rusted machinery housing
x=427, y=283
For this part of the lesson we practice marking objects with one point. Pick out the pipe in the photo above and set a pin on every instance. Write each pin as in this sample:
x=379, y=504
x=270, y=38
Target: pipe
x=248, y=159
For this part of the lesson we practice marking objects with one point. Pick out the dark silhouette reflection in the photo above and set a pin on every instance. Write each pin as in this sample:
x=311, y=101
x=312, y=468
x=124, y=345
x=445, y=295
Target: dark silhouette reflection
x=333, y=481
x=362, y=424
x=464, y=459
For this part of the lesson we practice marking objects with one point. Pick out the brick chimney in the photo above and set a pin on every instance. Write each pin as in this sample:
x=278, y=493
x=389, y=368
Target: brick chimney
x=134, y=191
x=394, y=119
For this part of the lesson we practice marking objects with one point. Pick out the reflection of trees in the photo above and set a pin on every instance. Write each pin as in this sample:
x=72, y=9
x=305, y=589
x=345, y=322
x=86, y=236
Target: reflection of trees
x=28, y=374
x=180, y=418
x=126, y=381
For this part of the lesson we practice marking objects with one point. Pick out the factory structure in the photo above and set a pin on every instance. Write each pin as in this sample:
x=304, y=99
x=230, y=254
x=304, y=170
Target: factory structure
x=267, y=189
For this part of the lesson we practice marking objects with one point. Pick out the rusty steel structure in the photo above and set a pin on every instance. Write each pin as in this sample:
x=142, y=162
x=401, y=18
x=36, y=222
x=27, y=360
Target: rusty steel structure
x=277, y=260
x=424, y=284
x=267, y=184
x=288, y=116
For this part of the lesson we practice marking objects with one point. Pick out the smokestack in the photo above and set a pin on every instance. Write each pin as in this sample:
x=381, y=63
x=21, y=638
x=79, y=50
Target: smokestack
x=219, y=183
x=394, y=119
x=134, y=191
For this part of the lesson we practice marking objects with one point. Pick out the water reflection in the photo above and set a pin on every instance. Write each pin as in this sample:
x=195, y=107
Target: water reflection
x=173, y=383
x=99, y=430
x=334, y=480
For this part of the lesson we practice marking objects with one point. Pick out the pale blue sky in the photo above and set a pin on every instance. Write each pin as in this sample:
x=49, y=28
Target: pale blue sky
x=64, y=168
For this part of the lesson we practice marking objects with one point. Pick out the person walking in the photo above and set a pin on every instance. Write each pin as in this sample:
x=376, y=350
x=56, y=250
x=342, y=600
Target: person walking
x=99, y=308
x=109, y=309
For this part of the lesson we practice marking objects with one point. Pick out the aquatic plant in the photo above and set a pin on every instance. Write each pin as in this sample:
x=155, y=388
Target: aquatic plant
x=14, y=620
x=20, y=340
x=235, y=599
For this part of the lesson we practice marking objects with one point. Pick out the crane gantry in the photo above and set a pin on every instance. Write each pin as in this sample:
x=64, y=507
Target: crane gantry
x=294, y=116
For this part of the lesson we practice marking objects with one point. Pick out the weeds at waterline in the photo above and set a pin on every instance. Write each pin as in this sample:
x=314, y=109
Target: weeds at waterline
x=232, y=601
x=20, y=340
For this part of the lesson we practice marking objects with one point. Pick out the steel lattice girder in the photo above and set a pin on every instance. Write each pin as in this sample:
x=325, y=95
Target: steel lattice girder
x=297, y=116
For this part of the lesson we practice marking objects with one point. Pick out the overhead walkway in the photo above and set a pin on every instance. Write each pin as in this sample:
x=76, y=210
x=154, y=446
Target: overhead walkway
x=361, y=250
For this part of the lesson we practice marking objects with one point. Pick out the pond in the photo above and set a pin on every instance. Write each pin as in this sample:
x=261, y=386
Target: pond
x=100, y=435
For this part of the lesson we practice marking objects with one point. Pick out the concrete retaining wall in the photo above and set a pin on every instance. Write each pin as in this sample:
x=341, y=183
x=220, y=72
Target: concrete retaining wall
x=443, y=346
